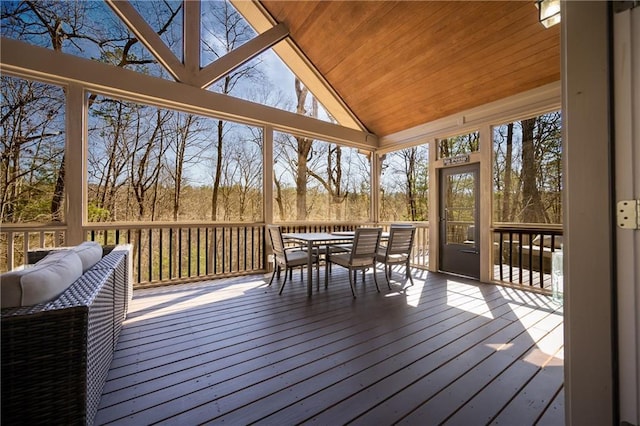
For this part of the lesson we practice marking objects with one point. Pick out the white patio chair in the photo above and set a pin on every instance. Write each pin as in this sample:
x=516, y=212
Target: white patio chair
x=397, y=250
x=361, y=257
x=287, y=258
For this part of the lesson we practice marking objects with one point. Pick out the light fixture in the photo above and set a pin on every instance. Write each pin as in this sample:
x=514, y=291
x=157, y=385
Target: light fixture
x=548, y=12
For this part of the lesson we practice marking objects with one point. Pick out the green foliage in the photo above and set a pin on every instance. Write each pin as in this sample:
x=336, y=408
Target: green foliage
x=96, y=213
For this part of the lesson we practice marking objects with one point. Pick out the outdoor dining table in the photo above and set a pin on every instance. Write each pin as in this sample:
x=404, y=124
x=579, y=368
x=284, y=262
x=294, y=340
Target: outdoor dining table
x=318, y=239
x=314, y=240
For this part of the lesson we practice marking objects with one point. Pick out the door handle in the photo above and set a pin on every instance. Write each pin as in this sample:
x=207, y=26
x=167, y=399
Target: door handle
x=469, y=251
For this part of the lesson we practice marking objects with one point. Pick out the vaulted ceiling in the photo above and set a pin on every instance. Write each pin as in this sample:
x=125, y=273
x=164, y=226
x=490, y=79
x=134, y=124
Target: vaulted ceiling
x=399, y=64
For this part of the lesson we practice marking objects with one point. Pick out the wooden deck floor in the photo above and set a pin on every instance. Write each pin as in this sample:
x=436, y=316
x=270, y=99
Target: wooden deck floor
x=445, y=350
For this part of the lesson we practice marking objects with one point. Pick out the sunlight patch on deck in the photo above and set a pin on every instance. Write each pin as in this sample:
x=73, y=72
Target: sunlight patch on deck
x=182, y=297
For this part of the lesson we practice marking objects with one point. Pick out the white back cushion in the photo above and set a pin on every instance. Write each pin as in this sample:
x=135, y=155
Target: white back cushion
x=90, y=253
x=42, y=282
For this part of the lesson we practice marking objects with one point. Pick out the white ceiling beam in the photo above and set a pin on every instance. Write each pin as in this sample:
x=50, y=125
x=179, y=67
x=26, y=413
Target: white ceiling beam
x=191, y=42
x=240, y=55
x=258, y=17
x=147, y=36
x=20, y=58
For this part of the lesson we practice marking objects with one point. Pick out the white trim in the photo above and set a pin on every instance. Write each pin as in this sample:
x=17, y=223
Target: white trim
x=191, y=41
x=227, y=63
x=25, y=60
x=626, y=49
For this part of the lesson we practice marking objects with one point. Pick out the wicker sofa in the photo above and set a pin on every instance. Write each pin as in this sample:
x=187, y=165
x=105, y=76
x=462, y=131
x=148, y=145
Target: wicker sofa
x=56, y=354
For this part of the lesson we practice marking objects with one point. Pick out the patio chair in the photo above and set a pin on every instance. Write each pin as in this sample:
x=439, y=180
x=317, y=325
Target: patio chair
x=397, y=251
x=361, y=257
x=287, y=257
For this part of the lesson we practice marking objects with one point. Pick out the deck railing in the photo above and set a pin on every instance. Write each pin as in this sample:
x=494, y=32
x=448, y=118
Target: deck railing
x=17, y=240
x=172, y=252
x=523, y=254
x=180, y=252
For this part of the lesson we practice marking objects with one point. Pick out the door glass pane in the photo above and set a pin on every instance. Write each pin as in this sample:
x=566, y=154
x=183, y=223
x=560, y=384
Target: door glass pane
x=460, y=208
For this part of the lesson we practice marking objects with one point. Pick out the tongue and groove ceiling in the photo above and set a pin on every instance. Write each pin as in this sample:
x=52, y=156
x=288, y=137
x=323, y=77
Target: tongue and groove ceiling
x=399, y=64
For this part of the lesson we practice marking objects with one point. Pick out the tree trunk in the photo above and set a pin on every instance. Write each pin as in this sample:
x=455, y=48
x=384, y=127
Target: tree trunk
x=304, y=147
x=532, y=203
x=216, y=180
x=506, y=195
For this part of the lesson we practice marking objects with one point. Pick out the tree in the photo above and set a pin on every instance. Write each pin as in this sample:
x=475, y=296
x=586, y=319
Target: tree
x=32, y=123
x=506, y=200
x=225, y=31
x=532, y=202
x=304, y=152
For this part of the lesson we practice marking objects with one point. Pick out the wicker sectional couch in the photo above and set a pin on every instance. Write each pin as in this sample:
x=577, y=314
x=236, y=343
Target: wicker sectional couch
x=56, y=354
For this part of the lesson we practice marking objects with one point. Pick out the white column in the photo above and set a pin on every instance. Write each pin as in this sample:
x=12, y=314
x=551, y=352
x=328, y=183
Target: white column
x=486, y=203
x=434, y=207
x=375, y=165
x=588, y=271
x=267, y=173
x=75, y=164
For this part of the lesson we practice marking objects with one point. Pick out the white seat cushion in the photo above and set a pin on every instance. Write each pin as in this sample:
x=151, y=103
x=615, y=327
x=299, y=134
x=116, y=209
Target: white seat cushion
x=42, y=282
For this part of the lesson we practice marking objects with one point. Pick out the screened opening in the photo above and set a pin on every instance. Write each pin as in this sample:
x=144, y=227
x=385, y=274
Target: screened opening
x=404, y=185
x=317, y=180
x=151, y=164
x=458, y=145
x=527, y=170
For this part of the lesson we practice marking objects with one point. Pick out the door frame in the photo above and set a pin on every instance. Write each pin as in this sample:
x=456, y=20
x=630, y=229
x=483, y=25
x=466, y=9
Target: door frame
x=442, y=173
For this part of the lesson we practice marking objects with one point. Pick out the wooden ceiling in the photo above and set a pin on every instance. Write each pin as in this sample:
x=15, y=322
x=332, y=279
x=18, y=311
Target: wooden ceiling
x=399, y=64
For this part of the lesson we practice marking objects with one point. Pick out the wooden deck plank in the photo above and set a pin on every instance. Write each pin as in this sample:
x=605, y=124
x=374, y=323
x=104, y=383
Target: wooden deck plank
x=234, y=351
x=485, y=405
x=422, y=388
x=253, y=377
x=554, y=413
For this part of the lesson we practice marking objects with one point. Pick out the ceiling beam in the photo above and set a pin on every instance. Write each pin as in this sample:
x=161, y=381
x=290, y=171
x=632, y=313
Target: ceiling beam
x=25, y=60
x=242, y=54
x=191, y=40
x=258, y=17
x=147, y=36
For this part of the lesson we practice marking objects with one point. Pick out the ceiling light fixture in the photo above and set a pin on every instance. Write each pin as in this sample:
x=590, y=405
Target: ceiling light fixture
x=548, y=12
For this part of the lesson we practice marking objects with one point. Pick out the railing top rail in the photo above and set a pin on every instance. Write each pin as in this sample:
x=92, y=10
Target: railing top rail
x=554, y=229
x=155, y=225
x=31, y=227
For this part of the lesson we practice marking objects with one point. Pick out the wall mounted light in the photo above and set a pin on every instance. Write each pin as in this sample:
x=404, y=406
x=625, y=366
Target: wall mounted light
x=548, y=12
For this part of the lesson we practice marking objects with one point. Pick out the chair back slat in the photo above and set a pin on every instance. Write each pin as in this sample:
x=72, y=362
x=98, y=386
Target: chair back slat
x=400, y=239
x=277, y=243
x=365, y=242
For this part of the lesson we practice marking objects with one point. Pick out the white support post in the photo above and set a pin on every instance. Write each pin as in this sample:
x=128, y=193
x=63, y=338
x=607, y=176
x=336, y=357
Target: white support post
x=486, y=203
x=267, y=185
x=267, y=176
x=375, y=165
x=75, y=164
x=589, y=366
x=434, y=206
